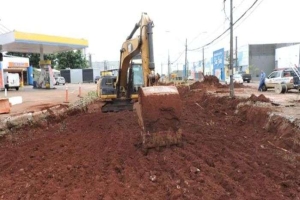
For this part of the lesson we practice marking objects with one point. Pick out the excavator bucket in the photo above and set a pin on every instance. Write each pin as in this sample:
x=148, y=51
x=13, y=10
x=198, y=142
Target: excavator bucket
x=4, y=105
x=159, y=109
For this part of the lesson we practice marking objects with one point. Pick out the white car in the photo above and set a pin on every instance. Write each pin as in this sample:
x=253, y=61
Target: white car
x=237, y=78
x=60, y=80
x=190, y=78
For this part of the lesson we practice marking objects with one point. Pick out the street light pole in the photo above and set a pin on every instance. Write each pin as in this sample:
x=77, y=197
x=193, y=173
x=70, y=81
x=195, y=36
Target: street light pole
x=90, y=60
x=203, y=62
x=236, y=53
x=169, y=63
x=231, y=52
x=185, y=65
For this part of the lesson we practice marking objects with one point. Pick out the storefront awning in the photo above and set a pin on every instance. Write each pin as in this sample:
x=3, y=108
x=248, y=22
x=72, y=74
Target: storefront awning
x=14, y=69
x=16, y=41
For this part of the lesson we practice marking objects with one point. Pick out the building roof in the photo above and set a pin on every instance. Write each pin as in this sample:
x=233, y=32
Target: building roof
x=16, y=41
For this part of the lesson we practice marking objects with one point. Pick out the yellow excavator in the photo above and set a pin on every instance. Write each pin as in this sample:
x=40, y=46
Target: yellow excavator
x=135, y=88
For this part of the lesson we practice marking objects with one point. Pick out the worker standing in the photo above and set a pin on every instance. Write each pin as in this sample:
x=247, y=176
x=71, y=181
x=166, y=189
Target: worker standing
x=262, y=80
x=157, y=77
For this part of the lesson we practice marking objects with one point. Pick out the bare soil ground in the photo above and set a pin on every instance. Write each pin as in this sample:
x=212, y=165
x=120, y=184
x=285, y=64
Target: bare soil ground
x=229, y=152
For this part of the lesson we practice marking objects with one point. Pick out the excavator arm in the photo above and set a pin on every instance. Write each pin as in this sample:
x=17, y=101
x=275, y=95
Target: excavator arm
x=142, y=44
x=158, y=107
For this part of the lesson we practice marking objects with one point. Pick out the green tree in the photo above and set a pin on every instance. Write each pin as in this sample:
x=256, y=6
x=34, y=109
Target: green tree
x=71, y=59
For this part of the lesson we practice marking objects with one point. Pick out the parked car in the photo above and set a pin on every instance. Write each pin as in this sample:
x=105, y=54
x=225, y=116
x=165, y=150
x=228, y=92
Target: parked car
x=190, y=78
x=237, y=78
x=246, y=77
x=12, y=80
x=60, y=80
x=97, y=78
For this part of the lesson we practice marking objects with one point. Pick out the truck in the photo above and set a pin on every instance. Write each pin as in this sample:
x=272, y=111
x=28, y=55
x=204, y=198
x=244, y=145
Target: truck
x=282, y=80
x=11, y=80
x=246, y=77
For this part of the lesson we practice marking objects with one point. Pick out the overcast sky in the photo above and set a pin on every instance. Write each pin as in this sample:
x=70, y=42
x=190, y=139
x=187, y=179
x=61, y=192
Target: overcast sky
x=106, y=24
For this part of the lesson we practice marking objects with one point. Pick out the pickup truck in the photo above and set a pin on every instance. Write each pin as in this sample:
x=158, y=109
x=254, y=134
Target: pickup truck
x=285, y=76
x=246, y=77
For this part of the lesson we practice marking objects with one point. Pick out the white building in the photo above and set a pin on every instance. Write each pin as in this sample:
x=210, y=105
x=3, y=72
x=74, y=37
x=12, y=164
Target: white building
x=13, y=64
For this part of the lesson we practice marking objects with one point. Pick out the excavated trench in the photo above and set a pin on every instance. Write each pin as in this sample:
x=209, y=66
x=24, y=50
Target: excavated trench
x=233, y=149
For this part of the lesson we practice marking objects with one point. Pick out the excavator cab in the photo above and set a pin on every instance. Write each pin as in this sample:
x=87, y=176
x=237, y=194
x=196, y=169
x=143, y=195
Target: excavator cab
x=158, y=107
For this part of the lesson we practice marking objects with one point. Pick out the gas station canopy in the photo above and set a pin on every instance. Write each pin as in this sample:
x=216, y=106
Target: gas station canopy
x=16, y=41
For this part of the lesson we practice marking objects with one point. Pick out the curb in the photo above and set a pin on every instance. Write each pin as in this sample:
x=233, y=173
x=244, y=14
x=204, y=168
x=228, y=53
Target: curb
x=18, y=121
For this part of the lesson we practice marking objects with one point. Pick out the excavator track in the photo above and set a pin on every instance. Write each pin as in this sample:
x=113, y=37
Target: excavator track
x=117, y=105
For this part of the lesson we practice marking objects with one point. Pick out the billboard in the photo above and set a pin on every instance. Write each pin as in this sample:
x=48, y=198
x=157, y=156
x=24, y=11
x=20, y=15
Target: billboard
x=218, y=64
x=243, y=56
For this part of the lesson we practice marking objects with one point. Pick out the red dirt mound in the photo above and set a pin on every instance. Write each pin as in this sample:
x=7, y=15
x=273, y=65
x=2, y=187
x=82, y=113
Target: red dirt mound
x=212, y=80
x=196, y=85
x=238, y=85
x=209, y=82
x=169, y=83
x=261, y=98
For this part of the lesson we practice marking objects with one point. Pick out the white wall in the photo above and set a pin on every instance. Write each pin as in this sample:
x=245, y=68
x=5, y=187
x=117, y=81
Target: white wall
x=76, y=75
x=287, y=56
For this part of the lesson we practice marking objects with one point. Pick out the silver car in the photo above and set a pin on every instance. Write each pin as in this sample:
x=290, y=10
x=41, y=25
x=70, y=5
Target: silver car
x=60, y=80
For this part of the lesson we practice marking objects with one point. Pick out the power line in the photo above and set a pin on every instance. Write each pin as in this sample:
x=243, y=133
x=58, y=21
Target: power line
x=197, y=37
x=227, y=28
x=226, y=31
x=221, y=25
x=3, y=28
x=239, y=5
x=226, y=17
x=235, y=27
x=213, y=32
x=178, y=57
x=249, y=14
x=235, y=8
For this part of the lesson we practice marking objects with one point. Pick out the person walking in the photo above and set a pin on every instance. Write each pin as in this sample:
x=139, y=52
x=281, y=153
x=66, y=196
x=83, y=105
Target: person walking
x=262, y=80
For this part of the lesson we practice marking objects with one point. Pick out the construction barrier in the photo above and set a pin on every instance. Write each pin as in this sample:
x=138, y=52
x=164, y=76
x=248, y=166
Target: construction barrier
x=4, y=105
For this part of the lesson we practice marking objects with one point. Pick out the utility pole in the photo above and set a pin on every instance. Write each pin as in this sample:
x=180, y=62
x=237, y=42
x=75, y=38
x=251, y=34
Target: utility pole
x=105, y=65
x=231, y=52
x=185, y=65
x=236, y=53
x=90, y=60
x=169, y=63
x=203, y=63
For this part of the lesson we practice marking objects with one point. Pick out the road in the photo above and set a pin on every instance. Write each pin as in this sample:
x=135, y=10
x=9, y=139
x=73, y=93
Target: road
x=35, y=99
